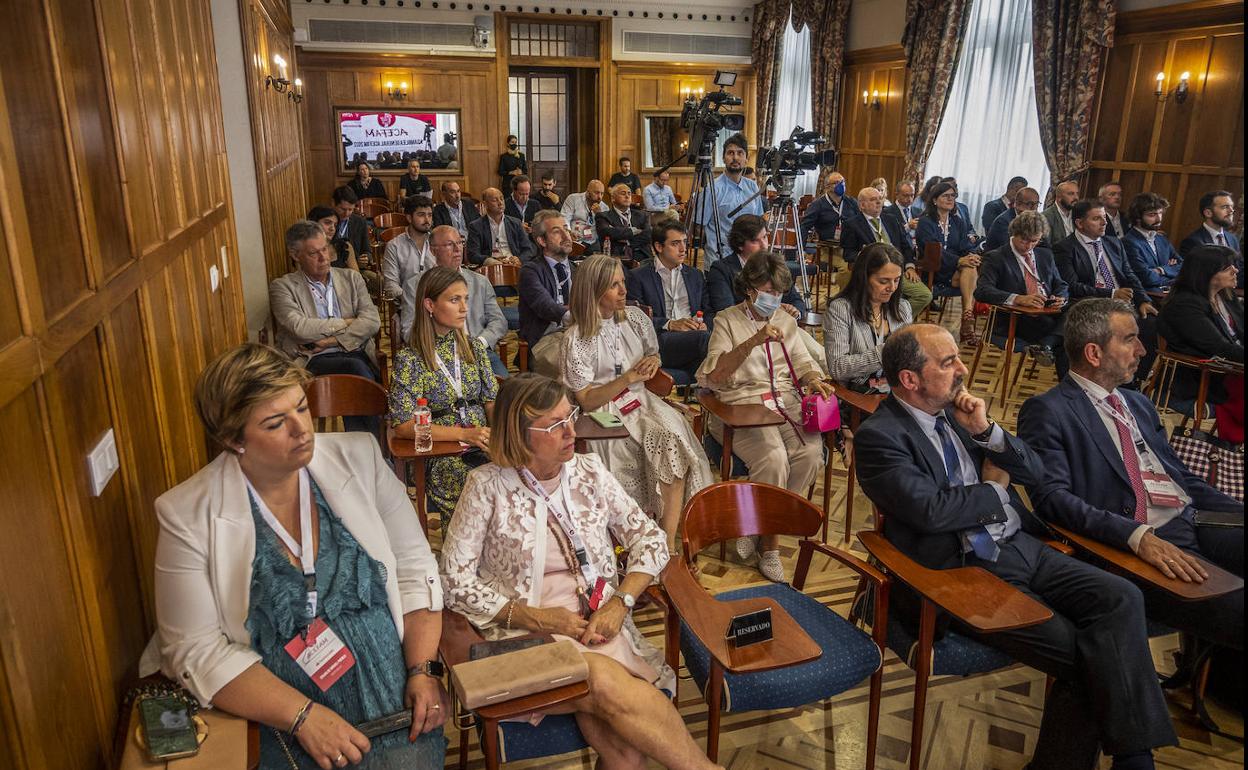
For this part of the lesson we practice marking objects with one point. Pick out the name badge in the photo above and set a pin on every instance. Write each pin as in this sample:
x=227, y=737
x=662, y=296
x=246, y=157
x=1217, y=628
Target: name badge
x=1161, y=490
x=626, y=401
x=773, y=402
x=321, y=655
x=595, y=596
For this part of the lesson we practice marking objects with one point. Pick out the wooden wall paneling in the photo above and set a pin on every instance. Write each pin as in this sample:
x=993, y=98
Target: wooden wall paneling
x=178, y=176
x=872, y=142
x=1218, y=103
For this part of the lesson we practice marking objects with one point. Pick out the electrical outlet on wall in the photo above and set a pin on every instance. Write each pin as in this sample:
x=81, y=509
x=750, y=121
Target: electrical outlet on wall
x=102, y=463
x=214, y=277
x=225, y=262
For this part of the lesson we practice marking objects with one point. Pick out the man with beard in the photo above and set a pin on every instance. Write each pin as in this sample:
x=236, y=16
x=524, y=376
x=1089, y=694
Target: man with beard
x=545, y=290
x=546, y=196
x=1218, y=212
x=408, y=255
x=1059, y=215
x=941, y=474
x=730, y=189
x=1153, y=260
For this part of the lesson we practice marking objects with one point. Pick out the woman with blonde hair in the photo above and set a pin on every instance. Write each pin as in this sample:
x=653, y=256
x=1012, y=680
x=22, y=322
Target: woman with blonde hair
x=608, y=353
x=288, y=543
x=531, y=548
x=452, y=372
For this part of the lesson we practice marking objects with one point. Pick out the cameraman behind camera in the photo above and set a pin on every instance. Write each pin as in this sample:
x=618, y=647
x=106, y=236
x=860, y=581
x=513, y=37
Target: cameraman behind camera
x=731, y=189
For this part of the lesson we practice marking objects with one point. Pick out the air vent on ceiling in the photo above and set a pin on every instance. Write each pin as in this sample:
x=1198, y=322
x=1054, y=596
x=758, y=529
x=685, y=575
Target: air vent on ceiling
x=669, y=43
x=389, y=33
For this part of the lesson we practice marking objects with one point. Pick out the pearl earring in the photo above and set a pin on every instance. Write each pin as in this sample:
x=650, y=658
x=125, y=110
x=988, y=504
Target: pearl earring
x=240, y=449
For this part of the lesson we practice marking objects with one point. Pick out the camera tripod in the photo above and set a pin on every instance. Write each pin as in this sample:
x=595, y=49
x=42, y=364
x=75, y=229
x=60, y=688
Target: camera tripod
x=703, y=183
x=782, y=218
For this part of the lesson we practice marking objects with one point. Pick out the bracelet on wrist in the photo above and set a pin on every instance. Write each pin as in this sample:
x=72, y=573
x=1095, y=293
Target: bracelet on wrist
x=511, y=608
x=301, y=717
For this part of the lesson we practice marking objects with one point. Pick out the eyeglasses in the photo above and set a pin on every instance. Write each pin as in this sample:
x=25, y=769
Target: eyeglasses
x=456, y=244
x=566, y=422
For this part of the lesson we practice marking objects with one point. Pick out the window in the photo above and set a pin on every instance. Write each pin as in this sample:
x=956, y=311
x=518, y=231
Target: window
x=793, y=96
x=554, y=40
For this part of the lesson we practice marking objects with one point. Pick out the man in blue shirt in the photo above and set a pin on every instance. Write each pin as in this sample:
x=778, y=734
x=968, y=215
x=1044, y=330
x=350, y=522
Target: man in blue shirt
x=658, y=194
x=731, y=189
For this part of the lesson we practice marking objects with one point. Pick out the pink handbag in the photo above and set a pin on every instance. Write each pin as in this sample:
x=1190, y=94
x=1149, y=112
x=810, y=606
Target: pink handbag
x=819, y=414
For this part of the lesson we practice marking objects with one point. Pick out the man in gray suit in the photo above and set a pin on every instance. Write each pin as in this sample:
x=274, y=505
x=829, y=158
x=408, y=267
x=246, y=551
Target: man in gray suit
x=325, y=318
x=1059, y=214
x=485, y=318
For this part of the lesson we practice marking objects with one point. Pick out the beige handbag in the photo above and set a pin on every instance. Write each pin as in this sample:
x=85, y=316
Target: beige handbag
x=511, y=675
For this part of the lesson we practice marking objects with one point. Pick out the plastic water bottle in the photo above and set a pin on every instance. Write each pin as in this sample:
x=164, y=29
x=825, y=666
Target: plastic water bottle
x=423, y=427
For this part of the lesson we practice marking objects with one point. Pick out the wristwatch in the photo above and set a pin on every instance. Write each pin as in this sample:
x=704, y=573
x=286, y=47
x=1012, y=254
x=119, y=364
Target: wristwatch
x=982, y=437
x=627, y=598
x=433, y=668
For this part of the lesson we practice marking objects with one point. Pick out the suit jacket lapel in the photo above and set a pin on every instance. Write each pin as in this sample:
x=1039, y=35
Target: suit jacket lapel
x=691, y=292
x=1081, y=405
x=935, y=463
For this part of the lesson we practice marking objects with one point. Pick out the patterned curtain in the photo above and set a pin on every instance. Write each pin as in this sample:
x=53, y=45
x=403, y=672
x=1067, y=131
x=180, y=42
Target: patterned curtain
x=769, y=19
x=828, y=21
x=933, y=43
x=1071, y=38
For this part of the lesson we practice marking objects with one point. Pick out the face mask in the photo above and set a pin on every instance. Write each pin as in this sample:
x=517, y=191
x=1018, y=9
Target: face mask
x=512, y=146
x=765, y=304
x=839, y=189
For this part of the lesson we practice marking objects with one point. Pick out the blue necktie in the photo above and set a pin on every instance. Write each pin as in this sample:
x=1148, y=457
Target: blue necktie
x=977, y=537
x=561, y=275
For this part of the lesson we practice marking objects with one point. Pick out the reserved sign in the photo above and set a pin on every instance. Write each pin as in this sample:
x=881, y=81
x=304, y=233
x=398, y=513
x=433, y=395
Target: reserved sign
x=750, y=628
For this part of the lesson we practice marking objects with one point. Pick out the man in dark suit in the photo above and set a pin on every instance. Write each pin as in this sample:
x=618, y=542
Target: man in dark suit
x=941, y=473
x=1025, y=199
x=871, y=224
x=519, y=204
x=825, y=216
x=905, y=208
x=496, y=237
x=545, y=290
x=676, y=294
x=1112, y=475
x=748, y=236
x=1151, y=257
x=454, y=211
x=1110, y=196
x=625, y=226
x=352, y=228
x=997, y=206
x=1021, y=274
x=1217, y=210
x=1094, y=265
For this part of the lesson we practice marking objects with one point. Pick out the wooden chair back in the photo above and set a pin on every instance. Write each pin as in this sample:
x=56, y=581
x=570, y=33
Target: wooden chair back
x=785, y=239
x=501, y=275
x=805, y=201
x=578, y=250
x=731, y=509
x=930, y=265
x=390, y=233
x=345, y=395
x=661, y=384
x=390, y=219
x=638, y=200
x=371, y=207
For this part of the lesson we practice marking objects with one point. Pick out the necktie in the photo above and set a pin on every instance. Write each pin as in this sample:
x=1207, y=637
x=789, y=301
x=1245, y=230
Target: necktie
x=1130, y=460
x=980, y=541
x=1221, y=239
x=1102, y=267
x=879, y=234
x=1029, y=274
x=561, y=275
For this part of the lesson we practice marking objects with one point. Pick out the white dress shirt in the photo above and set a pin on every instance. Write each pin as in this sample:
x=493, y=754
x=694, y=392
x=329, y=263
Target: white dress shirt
x=675, y=295
x=564, y=290
x=1026, y=268
x=498, y=234
x=1087, y=242
x=1215, y=232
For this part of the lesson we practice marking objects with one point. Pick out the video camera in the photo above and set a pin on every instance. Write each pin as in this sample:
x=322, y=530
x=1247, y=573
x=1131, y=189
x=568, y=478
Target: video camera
x=703, y=120
x=791, y=158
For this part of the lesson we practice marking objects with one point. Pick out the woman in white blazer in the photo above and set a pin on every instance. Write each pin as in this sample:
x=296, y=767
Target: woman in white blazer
x=307, y=646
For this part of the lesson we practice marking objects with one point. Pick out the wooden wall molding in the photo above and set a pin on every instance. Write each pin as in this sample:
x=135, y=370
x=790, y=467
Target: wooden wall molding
x=884, y=53
x=1168, y=18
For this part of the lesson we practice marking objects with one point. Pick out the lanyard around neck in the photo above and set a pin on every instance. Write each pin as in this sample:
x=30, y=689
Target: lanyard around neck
x=562, y=514
x=302, y=550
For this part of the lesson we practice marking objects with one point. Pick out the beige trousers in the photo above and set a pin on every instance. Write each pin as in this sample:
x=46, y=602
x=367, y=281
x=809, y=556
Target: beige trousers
x=776, y=454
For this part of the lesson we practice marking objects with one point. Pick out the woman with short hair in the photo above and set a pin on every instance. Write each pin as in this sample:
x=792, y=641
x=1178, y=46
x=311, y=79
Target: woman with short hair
x=512, y=564
x=756, y=356
x=959, y=265
x=859, y=320
x=288, y=540
x=364, y=184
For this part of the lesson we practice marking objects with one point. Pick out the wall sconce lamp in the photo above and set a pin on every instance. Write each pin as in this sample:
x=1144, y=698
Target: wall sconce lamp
x=872, y=101
x=1180, y=91
x=279, y=83
x=398, y=94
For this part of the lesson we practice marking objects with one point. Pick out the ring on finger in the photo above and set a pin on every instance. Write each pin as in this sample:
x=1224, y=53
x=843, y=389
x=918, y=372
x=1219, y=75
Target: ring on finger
x=338, y=759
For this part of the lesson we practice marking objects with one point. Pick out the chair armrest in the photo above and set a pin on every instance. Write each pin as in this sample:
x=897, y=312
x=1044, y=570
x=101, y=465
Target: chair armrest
x=738, y=415
x=848, y=559
x=405, y=448
x=458, y=636
x=1219, y=582
x=1059, y=546
x=974, y=596
x=661, y=384
x=864, y=402
x=708, y=618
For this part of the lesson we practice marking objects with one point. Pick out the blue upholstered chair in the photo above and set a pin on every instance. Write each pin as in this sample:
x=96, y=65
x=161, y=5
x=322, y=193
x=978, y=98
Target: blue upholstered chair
x=814, y=653
x=929, y=266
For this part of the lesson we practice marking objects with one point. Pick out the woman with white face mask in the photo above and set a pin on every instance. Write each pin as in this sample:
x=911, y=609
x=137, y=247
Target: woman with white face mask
x=754, y=357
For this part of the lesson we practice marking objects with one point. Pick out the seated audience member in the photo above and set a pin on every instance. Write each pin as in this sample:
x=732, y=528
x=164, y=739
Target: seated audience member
x=414, y=182
x=625, y=176
x=1025, y=199
x=1110, y=197
x=998, y=206
x=352, y=228
x=1060, y=214
x=961, y=211
x=497, y=238
x=959, y=265
x=447, y=152
x=231, y=594
x=859, y=320
x=511, y=163
x=545, y=293
x=546, y=196
x=747, y=237
x=658, y=194
x=1093, y=265
x=731, y=190
x=365, y=185
x=881, y=185
x=580, y=211
x=1203, y=318
x=506, y=591
x=675, y=294
x=941, y=473
x=454, y=211
x=825, y=216
x=519, y=204
x=328, y=220
x=1100, y=444
x=408, y=255
x=609, y=352
x=870, y=225
x=1217, y=212
x=757, y=355
x=624, y=228
x=1151, y=257
x=1021, y=274
x=905, y=208
x=448, y=368
x=485, y=318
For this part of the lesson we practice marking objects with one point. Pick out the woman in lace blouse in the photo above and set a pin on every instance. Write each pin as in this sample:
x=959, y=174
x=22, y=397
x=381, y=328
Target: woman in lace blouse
x=608, y=354
x=452, y=372
x=508, y=566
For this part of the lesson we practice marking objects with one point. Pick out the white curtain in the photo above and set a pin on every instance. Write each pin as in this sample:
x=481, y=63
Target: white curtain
x=990, y=131
x=793, y=95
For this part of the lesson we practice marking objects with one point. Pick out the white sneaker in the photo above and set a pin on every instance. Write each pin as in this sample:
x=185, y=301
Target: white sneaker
x=745, y=547
x=769, y=564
